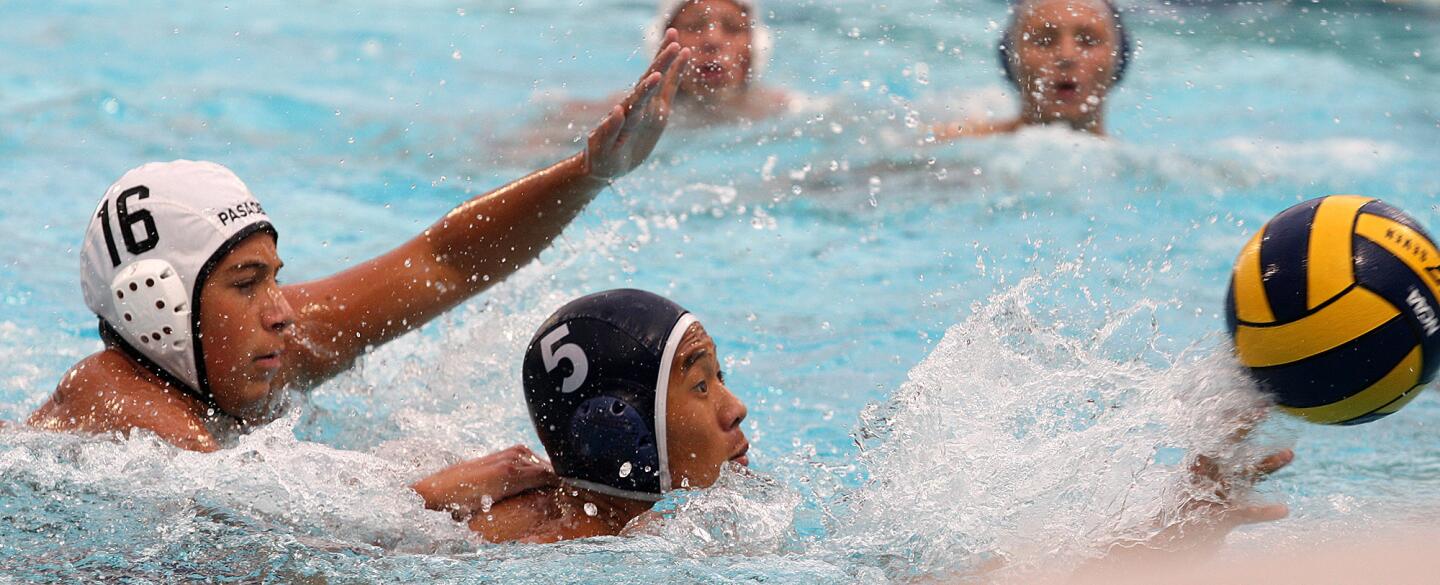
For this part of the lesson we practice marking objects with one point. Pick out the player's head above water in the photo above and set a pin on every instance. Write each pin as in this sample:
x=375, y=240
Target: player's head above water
x=627, y=396
x=729, y=43
x=1064, y=56
x=179, y=264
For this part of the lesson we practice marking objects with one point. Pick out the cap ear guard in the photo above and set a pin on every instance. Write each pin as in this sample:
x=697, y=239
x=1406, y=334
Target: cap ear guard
x=1122, y=54
x=154, y=307
x=613, y=437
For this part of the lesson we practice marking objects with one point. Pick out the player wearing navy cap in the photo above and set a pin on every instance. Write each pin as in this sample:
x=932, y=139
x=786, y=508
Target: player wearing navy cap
x=626, y=393
x=1062, y=57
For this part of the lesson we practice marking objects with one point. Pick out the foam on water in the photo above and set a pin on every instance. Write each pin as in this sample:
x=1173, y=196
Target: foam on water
x=1014, y=442
x=954, y=355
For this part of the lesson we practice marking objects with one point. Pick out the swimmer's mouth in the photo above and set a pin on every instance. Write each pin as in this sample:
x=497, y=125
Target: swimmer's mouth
x=269, y=361
x=1067, y=89
x=743, y=457
x=710, y=70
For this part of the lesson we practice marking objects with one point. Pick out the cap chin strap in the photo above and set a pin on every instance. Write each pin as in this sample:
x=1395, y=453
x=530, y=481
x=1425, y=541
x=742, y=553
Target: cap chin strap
x=112, y=338
x=601, y=488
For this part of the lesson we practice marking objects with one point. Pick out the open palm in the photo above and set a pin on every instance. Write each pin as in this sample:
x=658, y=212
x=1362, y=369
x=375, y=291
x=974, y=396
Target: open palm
x=628, y=134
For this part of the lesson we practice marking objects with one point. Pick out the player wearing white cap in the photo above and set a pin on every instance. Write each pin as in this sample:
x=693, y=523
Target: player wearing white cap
x=180, y=262
x=729, y=45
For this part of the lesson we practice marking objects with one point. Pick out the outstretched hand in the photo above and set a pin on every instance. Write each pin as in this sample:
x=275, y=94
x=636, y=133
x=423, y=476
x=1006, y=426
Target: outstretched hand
x=1214, y=512
x=627, y=135
x=1213, y=507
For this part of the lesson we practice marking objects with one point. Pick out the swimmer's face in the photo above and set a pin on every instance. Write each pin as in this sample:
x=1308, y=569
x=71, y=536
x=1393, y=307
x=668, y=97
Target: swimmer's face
x=244, y=319
x=702, y=417
x=718, y=34
x=1064, y=58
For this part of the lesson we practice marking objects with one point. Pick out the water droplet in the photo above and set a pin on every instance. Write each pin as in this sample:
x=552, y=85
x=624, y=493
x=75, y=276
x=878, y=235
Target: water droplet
x=455, y=55
x=625, y=469
x=590, y=509
x=486, y=502
x=922, y=74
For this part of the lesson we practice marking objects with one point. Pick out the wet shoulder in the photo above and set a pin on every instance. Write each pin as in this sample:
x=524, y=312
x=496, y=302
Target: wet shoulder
x=529, y=517
x=106, y=393
x=981, y=128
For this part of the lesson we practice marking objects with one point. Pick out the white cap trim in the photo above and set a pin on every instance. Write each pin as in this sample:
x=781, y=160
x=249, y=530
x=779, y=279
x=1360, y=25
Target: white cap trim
x=662, y=389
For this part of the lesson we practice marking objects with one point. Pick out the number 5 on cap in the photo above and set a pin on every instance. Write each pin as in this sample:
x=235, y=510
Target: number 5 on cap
x=552, y=356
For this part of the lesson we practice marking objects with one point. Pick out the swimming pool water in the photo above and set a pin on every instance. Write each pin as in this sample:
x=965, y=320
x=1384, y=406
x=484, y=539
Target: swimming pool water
x=951, y=353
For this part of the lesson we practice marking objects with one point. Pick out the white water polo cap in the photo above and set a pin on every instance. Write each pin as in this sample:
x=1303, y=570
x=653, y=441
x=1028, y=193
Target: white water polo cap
x=155, y=237
x=762, y=41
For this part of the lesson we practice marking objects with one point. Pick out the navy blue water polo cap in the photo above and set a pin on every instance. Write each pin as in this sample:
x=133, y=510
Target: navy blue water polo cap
x=596, y=375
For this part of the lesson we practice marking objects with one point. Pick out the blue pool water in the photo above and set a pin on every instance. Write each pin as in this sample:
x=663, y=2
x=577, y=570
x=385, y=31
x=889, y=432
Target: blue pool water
x=952, y=353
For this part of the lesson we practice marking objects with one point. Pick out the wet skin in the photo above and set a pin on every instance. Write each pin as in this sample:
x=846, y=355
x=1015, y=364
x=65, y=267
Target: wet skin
x=1064, y=54
x=702, y=435
x=719, y=36
x=1064, y=58
x=260, y=337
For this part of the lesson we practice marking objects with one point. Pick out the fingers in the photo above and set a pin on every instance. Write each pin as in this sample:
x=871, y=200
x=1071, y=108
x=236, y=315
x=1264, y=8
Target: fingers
x=1275, y=462
x=662, y=62
x=1257, y=514
x=672, y=79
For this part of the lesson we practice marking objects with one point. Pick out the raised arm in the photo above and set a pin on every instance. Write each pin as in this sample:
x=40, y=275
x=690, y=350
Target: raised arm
x=477, y=244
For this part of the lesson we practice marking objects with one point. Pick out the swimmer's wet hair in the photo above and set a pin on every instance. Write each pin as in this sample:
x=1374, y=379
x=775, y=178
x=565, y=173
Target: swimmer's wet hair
x=1122, y=56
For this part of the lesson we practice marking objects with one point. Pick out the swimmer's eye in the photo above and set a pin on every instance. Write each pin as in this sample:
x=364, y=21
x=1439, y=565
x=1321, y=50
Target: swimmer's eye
x=1088, y=40
x=702, y=387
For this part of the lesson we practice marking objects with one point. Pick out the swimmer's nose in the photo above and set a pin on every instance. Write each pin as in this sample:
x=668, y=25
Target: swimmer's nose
x=277, y=316
x=712, y=41
x=1068, y=51
x=734, y=413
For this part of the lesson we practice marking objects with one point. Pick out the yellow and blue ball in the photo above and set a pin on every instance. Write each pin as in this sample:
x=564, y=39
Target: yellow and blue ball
x=1333, y=308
